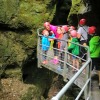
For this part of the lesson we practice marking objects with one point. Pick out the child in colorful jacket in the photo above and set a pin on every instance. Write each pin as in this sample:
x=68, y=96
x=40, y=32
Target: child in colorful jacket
x=94, y=45
x=45, y=45
x=74, y=49
x=63, y=44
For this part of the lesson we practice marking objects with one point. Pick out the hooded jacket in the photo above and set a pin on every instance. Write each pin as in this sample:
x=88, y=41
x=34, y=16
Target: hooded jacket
x=73, y=47
x=46, y=42
x=94, y=45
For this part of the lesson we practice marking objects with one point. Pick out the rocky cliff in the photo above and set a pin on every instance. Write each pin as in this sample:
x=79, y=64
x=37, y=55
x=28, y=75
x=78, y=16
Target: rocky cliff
x=19, y=20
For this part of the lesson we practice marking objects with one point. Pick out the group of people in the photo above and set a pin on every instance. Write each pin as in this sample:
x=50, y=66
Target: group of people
x=84, y=35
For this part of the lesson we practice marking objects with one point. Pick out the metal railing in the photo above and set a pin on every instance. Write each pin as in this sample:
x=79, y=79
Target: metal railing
x=86, y=86
x=87, y=67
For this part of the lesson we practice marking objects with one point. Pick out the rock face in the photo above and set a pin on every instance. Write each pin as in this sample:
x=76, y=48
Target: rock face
x=19, y=20
x=25, y=13
x=88, y=9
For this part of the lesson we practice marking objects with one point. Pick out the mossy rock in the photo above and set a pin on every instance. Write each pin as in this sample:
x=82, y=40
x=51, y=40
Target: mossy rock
x=13, y=73
x=78, y=7
x=10, y=50
x=33, y=93
x=25, y=13
x=8, y=9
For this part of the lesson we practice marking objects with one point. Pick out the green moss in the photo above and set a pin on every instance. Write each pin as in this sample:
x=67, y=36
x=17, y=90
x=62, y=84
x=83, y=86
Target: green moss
x=78, y=7
x=74, y=2
x=33, y=93
x=29, y=40
x=75, y=6
x=8, y=9
x=25, y=13
x=10, y=50
x=16, y=73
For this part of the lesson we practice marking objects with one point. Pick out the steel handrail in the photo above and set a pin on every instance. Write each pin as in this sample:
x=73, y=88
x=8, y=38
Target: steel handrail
x=71, y=81
x=82, y=90
x=66, y=87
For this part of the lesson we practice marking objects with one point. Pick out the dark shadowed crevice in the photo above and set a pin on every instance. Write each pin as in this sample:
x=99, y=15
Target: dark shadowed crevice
x=62, y=11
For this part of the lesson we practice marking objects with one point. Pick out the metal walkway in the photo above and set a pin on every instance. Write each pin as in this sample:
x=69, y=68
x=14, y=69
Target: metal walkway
x=69, y=74
x=82, y=78
x=95, y=91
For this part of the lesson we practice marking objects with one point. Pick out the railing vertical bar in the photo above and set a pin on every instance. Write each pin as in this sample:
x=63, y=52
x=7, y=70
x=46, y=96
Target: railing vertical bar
x=38, y=50
x=87, y=89
x=82, y=90
x=89, y=72
x=65, y=66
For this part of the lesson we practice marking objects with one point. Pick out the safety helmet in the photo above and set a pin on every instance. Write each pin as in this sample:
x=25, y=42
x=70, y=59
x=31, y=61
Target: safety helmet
x=65, y=27
x=46, y=24
x=92, y=30
x=82, y=21
x=73, y=33
x=72, y=27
